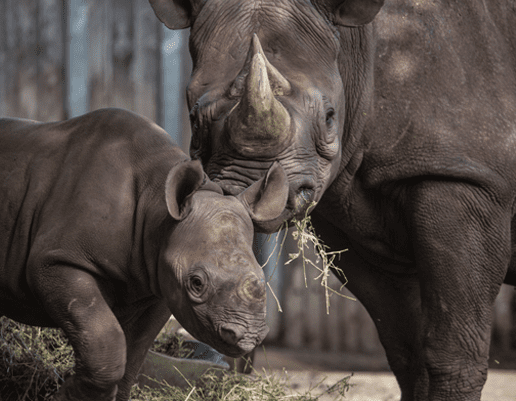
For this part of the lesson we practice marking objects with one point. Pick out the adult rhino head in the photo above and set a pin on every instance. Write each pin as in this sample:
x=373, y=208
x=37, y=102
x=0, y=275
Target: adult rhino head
x=269, y=83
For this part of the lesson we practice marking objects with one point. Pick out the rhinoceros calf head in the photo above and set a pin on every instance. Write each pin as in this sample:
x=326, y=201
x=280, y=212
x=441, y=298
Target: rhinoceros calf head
x=266, y=85
x=207, y=271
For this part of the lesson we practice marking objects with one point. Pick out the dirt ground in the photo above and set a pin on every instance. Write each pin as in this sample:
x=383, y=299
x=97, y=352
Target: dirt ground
x=371, y=380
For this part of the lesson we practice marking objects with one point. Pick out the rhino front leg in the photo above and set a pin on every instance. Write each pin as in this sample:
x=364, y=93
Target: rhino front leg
x=392, y=300
x=461, y=240
x=74, y=301
x=140, y=332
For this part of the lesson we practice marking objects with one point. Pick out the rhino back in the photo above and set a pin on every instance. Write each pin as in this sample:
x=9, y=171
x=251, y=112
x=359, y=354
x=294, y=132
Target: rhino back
x=76, y=192
x=445, y=92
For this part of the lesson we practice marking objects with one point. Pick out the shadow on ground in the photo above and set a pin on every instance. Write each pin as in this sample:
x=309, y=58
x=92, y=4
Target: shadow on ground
x=298, y=359
x=372, y=379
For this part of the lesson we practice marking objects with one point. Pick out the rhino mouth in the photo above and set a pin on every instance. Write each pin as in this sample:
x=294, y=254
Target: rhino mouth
x=238, y=341
x=235, y=340
x=235, y=177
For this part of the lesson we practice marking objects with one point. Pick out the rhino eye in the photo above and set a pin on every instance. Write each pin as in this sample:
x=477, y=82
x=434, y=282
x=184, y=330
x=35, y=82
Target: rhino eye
x=197, y=286
x=330, y=114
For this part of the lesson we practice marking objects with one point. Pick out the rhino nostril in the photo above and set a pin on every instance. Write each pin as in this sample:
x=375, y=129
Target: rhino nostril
x=303, y=196
x=231, y=333
x=306, y=194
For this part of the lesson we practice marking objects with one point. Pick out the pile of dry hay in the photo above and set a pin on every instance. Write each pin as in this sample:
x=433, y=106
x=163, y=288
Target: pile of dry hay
x=35, y=361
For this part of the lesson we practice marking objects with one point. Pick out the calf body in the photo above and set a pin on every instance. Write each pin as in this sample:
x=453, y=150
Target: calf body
x=106, y=227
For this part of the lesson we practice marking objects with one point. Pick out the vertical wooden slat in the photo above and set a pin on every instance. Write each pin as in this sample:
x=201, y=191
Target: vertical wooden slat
x=314, y=302
x=100, y=54
x=176, y=121
x=3, y=59
x=50, y=52
x=293, y=308
x=146, y=73
x=20, y=64
x=263, y=246
x=331, y=332
x=343, y=322
x=122, y=53
x=186, y=69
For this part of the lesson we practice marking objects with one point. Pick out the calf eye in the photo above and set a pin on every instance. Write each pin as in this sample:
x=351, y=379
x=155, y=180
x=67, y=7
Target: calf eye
x=196, y=284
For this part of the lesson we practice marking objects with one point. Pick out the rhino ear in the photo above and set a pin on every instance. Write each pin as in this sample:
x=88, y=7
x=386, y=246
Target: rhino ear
x=175, y=14
x=266, y=199
x=352, y=12
x=182, y=182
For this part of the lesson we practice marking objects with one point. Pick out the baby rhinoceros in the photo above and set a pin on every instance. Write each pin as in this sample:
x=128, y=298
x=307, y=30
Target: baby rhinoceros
x=106, y=227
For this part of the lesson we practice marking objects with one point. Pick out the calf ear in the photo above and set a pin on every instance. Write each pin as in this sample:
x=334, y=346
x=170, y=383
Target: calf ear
x=352, y=12
x=182, y=181
x=175, y=14
x=266, y=199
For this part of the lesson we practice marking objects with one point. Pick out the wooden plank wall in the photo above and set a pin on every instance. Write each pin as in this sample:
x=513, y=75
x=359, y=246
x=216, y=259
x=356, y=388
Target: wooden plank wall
x=124, y=58
x=124, y=40
x=303, y=321
x=125, y=68
x=32, y=59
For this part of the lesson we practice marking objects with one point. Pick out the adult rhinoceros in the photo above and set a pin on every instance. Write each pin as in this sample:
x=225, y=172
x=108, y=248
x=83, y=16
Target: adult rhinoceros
x=403, y=131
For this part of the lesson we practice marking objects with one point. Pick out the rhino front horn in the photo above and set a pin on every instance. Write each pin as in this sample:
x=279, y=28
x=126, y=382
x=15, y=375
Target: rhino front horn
x=259, y=122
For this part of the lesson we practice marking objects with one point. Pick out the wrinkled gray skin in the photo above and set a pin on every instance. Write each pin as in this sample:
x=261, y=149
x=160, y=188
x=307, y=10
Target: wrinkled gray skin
x=404, y=132
x=106, y=227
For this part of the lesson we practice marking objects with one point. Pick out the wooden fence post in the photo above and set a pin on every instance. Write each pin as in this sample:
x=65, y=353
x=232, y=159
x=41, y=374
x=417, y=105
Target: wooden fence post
x=124, y=57
x=50, y=51
x=20, y=60
x=32, y=59
x=3, y=58
x=100, y=55
x=147, y=71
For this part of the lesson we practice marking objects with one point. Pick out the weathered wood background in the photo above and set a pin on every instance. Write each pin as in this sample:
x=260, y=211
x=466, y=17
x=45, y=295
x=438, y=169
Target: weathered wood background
x=62, y=58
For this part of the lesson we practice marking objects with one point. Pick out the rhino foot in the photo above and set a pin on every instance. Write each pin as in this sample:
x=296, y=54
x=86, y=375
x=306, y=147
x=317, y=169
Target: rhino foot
x=76, y=390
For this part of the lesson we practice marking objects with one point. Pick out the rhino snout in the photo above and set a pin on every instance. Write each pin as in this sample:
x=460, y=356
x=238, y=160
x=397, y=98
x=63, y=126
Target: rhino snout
x=235, y=335
x=231, y=333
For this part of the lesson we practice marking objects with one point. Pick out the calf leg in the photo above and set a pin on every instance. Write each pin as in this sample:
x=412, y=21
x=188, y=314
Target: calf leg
x=73, y=300
x=140, y=333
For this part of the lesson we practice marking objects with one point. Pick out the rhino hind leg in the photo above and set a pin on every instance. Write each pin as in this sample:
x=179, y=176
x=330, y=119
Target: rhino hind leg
x=74, y=301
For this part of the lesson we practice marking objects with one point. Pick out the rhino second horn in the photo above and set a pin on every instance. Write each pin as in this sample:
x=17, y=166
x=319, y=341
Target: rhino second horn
x=259, y=120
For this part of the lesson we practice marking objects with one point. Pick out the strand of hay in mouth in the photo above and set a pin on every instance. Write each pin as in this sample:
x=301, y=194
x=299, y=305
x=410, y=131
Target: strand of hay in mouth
x=304, y=235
